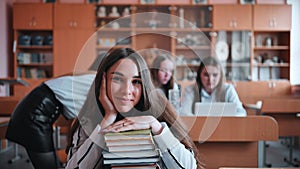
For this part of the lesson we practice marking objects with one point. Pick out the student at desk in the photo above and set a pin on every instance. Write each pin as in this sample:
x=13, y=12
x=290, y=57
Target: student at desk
x=210, y=86
x=124, y=99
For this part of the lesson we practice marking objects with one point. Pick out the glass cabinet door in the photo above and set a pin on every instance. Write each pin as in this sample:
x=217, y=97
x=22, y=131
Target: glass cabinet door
x=233, y=49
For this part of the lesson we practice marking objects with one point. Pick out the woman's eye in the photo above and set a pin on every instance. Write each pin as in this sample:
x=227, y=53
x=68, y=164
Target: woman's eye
x=116, y=79
x=215, y=74
x=137, y=82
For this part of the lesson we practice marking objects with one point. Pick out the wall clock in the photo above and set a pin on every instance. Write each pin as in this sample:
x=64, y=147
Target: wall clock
x=222, y=50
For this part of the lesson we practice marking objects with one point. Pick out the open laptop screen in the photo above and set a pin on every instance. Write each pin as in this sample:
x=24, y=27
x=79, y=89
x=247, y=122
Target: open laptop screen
x=215, y=109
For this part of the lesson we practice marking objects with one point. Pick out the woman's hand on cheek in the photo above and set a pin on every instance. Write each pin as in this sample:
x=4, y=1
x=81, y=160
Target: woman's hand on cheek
x=110, y=111
x=135, y=123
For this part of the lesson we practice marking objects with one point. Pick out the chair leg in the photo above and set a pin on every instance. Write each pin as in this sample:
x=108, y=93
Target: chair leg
x=17, y=156
x=290, y=160
x=265, y=155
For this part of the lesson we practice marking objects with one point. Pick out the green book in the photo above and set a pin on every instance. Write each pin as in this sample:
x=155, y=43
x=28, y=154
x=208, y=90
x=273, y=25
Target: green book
x=137, y=134
x=129, y=138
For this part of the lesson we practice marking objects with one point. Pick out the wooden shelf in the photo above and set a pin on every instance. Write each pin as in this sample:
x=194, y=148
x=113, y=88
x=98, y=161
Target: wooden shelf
x=271, y=48
x=35, y=64
x=115, y=46
x=193, y=48
x=238, y=64
x=34, y=47
x=271, y=65
x=114, y=30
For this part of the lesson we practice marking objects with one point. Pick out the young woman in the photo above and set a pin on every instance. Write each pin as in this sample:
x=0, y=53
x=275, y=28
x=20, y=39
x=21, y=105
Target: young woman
x=32, y=120
x=162, y=73
x=210, y=86
x=125, y=99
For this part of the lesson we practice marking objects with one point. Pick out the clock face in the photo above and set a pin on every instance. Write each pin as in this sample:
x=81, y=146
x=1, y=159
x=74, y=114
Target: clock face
x=222, y=50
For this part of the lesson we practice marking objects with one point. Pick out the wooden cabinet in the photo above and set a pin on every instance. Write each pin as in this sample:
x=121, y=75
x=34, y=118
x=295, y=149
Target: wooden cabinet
x=232, y=17
x=272, y=17
x=71, y=32
x=233, y=49
x=271, y=55
x=32, y=16
x=33, y=45
x=197, y=36
x=74, y=16
x=271, y=39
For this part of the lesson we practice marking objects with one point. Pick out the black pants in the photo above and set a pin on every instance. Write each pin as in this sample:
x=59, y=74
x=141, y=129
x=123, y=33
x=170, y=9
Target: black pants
x=31, y=124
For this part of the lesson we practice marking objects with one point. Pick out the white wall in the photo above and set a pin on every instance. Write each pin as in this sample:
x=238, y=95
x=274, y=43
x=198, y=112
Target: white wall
x=295, y=42
x=5, y=37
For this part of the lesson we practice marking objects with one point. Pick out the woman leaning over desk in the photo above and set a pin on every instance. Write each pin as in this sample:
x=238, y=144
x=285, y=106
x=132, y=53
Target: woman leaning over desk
x=123, y=98
x=210, y=86
x=31, y=124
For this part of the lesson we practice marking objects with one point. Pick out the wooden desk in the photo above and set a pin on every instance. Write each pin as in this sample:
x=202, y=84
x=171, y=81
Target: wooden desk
x=11, y=81
x=230, y=141
x=284, y=110
x=7, y=105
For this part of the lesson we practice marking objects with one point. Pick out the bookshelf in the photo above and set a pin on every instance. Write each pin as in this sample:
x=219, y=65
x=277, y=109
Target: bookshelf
x=167, y=34
x=33, y=40
x=204, y=25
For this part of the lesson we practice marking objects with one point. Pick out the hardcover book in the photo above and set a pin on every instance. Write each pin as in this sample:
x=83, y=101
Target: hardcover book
x=130, y=149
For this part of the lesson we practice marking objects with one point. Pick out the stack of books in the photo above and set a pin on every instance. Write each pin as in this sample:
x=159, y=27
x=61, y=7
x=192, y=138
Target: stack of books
x=131, y=149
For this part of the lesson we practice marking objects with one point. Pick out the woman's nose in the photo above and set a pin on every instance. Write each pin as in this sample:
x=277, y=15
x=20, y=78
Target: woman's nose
x=128, y=87
x=168, y=73
x=211, y=78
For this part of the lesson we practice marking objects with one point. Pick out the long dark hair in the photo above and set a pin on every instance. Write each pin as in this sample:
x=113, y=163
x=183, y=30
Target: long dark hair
x=151, y=102
x=110, y=59
x=219, y=94
x=155, y=67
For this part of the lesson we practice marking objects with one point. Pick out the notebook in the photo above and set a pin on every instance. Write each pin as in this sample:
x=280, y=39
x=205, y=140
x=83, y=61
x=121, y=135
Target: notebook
x=215, y=109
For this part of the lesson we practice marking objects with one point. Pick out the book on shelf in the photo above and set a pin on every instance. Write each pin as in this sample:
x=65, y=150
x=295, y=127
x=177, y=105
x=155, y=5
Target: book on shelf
x=34, y=73
x=130, y=148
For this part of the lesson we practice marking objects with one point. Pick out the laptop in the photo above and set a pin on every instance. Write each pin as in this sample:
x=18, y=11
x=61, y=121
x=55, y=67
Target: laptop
x=215, y=109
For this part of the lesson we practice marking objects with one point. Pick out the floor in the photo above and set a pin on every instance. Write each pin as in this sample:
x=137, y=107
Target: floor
x=275, y=154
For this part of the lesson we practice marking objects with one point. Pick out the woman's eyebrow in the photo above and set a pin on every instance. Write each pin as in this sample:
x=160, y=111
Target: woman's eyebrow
x=121, y=74
x=118, y=73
